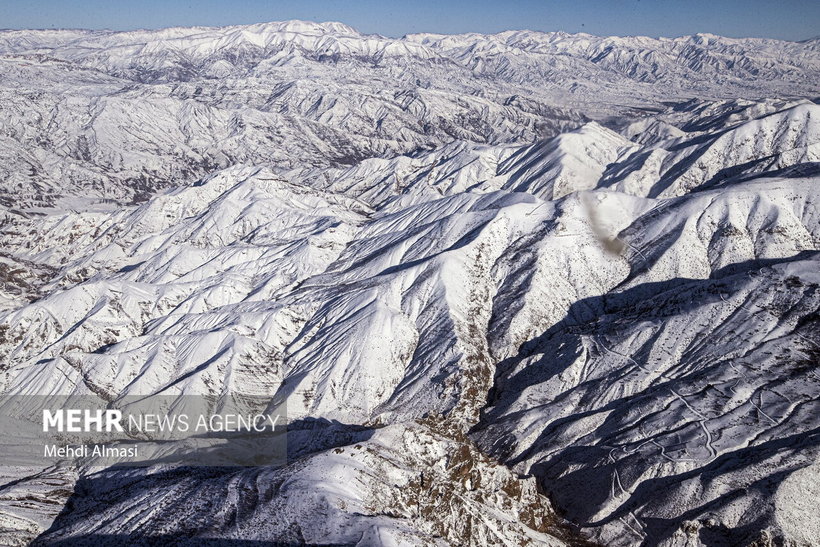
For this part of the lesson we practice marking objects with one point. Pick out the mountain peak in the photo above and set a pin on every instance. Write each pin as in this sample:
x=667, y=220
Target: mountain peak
x=305, y=27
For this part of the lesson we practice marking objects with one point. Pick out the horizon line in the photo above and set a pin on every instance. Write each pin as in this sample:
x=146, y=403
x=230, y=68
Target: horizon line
x=469, y=33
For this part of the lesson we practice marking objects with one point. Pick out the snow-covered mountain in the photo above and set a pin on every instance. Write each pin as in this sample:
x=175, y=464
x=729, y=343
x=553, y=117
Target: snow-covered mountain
x=120, y=115
x=515, y=289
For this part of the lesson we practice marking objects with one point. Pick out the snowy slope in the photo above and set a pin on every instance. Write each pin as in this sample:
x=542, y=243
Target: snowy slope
x=495, y=279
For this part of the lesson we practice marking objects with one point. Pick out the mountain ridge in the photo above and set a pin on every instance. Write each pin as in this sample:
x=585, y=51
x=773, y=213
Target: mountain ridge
x=523, y=288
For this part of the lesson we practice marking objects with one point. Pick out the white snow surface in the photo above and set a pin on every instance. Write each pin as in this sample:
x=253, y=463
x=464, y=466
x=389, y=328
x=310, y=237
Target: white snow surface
x=494, y=279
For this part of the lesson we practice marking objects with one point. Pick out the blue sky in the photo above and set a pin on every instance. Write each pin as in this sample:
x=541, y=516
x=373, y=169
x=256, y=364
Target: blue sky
x=786, y=19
